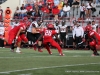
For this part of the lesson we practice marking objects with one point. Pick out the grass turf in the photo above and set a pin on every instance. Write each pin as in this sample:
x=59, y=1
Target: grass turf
x=30, y=62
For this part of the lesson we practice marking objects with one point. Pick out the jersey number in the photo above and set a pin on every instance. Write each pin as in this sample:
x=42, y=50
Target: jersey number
x=48, y=33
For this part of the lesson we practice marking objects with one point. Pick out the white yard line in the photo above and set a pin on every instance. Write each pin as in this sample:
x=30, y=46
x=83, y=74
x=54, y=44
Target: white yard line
x=7, y=72
x=48, y=56
x=77, y=51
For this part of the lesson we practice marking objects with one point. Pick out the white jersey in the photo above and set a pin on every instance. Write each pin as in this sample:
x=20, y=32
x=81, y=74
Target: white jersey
x=30, y=28
x=62, y=28
x=94, y=27
x=2, y=30
x=57, y=28
x=35, y=22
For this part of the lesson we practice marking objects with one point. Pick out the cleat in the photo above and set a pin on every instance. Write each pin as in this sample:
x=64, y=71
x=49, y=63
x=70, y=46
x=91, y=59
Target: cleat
x=18, y=51
x=39, y=50
x=97, y=54
x=50, y=53
x=12, y=50
x=93, y=55
x=61, y=54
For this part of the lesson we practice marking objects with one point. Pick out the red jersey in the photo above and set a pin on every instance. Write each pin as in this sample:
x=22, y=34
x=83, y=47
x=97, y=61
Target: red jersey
x=16, y=29
x=93, y=33
x=50, y=1
x=55, y=11
x=45, y=9
x=48, y=34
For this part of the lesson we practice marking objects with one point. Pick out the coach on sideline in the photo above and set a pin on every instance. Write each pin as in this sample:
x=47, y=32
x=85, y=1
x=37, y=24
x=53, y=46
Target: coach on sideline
x=79, y=32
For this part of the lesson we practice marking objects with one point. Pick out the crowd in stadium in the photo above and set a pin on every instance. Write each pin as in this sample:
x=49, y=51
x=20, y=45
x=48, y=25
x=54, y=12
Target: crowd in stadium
x=35, y=19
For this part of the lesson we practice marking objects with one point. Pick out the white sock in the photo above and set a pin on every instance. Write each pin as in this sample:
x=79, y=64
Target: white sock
x=18, y=49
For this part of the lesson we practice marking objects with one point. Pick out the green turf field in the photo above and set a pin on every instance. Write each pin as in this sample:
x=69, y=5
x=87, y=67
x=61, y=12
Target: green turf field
x=30, y=62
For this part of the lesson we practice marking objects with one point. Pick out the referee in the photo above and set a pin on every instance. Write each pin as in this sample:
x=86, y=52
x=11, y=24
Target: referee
x=78, y=32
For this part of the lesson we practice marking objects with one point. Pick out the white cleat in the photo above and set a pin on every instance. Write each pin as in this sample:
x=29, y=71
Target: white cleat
x=61, y=54
x=17, y=51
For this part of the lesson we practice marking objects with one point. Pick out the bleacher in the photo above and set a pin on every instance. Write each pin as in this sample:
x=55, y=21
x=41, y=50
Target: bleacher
x=2, y=1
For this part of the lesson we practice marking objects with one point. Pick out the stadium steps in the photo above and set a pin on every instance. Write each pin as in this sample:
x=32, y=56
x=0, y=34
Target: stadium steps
x=12, y=4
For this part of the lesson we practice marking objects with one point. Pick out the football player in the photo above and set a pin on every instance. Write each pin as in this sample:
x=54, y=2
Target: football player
x=47, y=35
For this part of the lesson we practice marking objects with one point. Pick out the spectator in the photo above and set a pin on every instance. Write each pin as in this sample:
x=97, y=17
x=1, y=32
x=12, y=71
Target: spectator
x=29, y=2
x=98, y=2
x=76, y=2
x=22, y=7
x=60, y=6
x=17, y=13
x=65, y=1
x=23, y=13
x=50, y=1
x=55, y=12
x=70, y=2
x=93, y=8
x=29, y=9
x=50, y=5
x=1, y=14
x=82, y=11
x=37, y=11
x=56, y=2
x=44, y=2
x=66, y=10
x=45, y=12
x=88, y=11
x=40, y=3
x=2, y=30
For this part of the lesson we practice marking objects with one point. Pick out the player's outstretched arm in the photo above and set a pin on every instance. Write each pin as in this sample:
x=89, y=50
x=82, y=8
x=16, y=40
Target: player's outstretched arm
x=39, y=38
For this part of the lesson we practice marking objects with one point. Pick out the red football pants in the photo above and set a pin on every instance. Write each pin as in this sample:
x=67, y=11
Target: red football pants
x=11, y=37
x=54, y=44
x=22, y=37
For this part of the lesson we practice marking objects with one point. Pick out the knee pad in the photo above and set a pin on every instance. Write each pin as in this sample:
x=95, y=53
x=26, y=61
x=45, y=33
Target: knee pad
x=19, y=39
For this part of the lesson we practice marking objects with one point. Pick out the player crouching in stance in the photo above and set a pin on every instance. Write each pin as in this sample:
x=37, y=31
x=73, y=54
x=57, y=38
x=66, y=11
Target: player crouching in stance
x=17, y=34
x=47, y=35
x=94, y=39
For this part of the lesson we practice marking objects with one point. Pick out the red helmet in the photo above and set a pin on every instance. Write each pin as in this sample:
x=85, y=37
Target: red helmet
x=50, y=26
x=88, y=28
